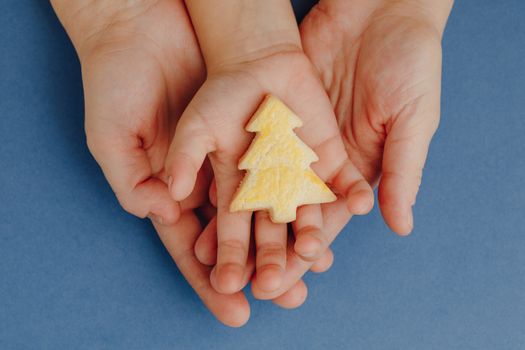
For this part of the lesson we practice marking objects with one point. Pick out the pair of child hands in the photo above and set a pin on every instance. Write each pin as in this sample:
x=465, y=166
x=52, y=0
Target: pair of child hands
x=364, y=76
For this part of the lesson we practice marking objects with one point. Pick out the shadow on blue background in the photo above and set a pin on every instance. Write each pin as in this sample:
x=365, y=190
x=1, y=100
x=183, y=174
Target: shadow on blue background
x=77, y=272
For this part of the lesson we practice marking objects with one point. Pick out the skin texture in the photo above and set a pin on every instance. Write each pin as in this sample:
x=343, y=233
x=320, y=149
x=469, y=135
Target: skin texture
x=245, y=61
x=214, y=123
x=140, y=67
x=380, y=62
x=335, y=217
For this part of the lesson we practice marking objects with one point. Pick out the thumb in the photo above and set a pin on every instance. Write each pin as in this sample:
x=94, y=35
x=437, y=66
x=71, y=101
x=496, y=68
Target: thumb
x=190, y=145
x=128, y=170
x=405, y=152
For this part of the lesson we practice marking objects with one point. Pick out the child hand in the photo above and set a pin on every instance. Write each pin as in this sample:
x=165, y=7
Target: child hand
x=242, y=68
x=292, y=292
x=381, y=65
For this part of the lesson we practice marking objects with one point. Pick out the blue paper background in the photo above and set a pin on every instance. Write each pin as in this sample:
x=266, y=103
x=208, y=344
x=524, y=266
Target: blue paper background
x=76, y=272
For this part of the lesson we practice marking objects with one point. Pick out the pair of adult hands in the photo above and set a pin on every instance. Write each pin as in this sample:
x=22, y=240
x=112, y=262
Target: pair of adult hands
x=380, y=64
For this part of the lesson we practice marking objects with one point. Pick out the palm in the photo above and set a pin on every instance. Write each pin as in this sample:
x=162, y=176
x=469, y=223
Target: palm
x=382, y=72
x=141, y=72
x=291, y=79
x=144, y=69
x=214, y=123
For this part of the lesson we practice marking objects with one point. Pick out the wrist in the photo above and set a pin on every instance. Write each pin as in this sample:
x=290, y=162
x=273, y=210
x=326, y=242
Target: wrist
x=84, y=20
x=432, y=12
x=232, y=32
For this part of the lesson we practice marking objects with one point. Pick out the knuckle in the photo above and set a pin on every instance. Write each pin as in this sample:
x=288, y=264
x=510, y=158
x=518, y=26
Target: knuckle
x=233, y=245
x=130, y=207
x=311, y=230
x=91, y=143
x=412, y=179
x=271, y=251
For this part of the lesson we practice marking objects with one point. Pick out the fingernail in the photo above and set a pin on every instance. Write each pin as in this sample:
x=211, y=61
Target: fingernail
x=410, y=219
x=213, y=278
x=363, y=207
x=155, y=218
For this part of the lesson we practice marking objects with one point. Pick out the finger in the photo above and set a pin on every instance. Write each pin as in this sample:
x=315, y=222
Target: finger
x=405, y=152
x=179, y=239
x=206, y=244
x=233, y=238
x=206, y=250
x=213, y=193
x=310, y=242
x=190, y=145
x=270, y=241
x=349, y=182
x=233, y=229
x=294, y=297
x=343, y=175
x=324, y=262
x=199, y=195
x=335, y=216
x=333, y=165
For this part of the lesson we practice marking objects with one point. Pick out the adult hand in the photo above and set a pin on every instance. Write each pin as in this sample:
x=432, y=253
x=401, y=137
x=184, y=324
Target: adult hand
x=141, y=64
x=380, y=62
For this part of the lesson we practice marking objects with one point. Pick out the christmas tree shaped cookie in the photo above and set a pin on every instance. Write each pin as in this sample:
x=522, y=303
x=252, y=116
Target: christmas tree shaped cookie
x=278, y=178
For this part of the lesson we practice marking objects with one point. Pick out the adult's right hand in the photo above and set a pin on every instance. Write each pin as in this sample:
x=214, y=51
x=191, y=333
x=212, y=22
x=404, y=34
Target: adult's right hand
x=141, y=65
